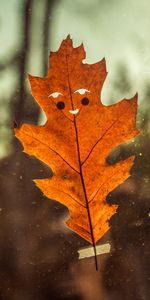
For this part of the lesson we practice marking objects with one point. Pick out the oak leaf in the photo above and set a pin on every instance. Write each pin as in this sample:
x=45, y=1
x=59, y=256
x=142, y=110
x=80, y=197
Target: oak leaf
x=77, y=137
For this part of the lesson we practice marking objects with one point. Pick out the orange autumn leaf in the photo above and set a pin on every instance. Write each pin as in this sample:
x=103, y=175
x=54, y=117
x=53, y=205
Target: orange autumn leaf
x=77, y=137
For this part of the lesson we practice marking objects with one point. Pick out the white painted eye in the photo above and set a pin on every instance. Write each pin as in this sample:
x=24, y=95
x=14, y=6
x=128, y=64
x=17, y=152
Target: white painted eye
x=82, y=91
x=55, y=94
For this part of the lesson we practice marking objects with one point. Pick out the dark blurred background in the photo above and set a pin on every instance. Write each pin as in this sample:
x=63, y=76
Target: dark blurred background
x=38, y=254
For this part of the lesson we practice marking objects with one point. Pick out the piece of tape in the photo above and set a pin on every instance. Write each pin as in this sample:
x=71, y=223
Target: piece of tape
x=89, y=252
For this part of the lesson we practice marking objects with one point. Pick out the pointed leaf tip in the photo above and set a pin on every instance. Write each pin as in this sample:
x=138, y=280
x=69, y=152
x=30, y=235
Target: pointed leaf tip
x=68, y=37
x=68, y=40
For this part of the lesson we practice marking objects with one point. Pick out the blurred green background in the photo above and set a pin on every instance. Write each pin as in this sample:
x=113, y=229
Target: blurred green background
x=38, y=255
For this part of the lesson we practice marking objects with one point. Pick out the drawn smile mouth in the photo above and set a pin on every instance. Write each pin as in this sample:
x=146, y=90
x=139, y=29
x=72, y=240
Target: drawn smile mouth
x=74, y=111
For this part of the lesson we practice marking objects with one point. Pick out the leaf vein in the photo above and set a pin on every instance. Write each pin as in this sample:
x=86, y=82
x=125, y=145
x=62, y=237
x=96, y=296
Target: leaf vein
x=52, y=151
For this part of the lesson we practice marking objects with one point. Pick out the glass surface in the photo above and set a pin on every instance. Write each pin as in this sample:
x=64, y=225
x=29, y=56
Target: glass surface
x=38, y=253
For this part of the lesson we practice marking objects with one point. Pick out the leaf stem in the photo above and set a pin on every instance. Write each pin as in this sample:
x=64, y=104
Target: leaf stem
x=81, y=173
x=85, y=194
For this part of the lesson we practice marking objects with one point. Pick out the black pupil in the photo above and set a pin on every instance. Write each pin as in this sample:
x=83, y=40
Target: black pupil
x=85, y=101
x=60, y=105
